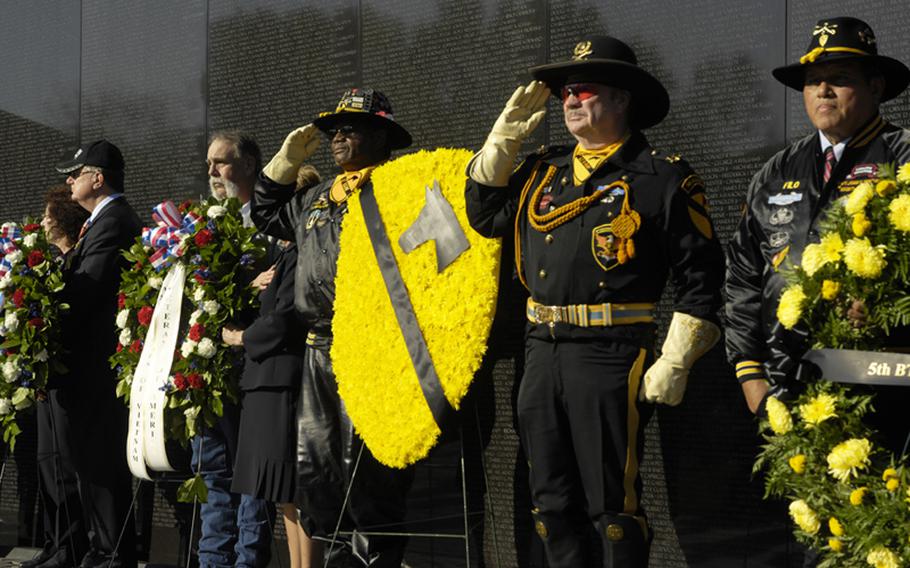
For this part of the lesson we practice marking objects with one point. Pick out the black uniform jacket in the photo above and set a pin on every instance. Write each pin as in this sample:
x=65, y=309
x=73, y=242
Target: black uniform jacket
x=313, y=221
x=576, y=262
x=784, y=205
x=92, y=279
x=275, y=341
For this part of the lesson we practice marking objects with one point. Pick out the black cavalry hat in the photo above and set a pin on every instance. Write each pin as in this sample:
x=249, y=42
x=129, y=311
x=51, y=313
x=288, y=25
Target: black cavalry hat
x=100, y=153
x=845, y=39
x=368, y=105
x=608, y=61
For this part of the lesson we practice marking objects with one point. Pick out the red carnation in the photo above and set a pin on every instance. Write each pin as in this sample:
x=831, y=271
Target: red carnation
x=119, y=347
x=35, y=258
x=179, y=381
x=36, y=322
x=145, y=315
x=121, y=301
x=195, y=380
x=199, y=279
x=31, y=227
x=203, y=237
x=197, y=331
x=136, y=346
x=19, y=297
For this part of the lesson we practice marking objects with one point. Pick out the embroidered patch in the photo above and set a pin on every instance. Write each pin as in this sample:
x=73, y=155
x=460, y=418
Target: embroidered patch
x=779, y=239
x=863, y=171
x=784, y=198
x=314, y=216
x=791, y=184
x=321, y=203
x=603, y=246
x=781, y=216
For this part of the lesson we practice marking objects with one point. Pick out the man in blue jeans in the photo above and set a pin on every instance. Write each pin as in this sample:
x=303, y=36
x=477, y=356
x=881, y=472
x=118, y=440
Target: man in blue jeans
x=236, y=529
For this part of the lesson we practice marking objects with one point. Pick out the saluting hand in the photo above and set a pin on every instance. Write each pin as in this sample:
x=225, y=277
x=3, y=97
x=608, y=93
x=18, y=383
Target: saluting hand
x=298, y=146
x=523, y=113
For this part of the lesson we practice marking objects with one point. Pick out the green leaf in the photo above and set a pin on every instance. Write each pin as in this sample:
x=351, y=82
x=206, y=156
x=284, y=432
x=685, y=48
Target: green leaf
x=193, y=490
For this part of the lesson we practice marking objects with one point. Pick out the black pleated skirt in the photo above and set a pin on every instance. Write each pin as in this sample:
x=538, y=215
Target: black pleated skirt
x=265, y=466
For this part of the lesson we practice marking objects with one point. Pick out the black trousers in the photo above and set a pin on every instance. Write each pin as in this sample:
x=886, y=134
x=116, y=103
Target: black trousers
x=581, y=427
x=85, y=480
x=327, y=452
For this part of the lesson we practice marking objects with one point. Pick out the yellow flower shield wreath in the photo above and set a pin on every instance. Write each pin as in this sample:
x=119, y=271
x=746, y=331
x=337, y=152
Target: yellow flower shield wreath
x=454, y=309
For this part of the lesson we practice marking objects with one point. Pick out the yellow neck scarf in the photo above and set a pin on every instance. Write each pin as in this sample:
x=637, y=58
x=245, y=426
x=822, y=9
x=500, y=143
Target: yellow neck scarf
x=347, y=183
x=586, y=162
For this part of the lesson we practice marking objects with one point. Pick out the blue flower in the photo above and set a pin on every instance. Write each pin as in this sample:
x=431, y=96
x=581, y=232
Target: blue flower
x=197, y=259
x=246, y=259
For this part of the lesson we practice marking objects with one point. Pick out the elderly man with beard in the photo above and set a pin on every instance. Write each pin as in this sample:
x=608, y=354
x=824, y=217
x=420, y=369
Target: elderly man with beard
x=363, y=133
x=598, y=227
x=236, y=529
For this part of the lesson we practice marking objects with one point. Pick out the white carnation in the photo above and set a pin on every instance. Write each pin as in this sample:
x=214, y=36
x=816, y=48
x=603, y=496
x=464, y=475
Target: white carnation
x=199, y=295
x=125, y=337
x=216, y=211
x=11, y=322
x=30, y=240
x=14, y=257
x=155, y=282
x=194, y=317
x=211, y=307
x=5, y=281
x=206, y=348
x=41, y=356
x=123, y=317
x=10, y=371
x=5, y=406
x=187, y=348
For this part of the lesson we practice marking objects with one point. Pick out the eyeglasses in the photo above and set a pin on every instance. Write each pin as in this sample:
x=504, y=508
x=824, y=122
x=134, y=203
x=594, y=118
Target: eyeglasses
x=345, y=130
x=82, y=172
x=581, y=91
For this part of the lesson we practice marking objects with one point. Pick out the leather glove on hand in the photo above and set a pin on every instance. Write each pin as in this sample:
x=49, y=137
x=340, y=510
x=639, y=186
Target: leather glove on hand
x=298, y=146
x=687, y=340
x=496, y=159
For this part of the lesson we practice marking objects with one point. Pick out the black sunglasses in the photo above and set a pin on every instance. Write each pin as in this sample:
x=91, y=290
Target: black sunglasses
x=345, y=130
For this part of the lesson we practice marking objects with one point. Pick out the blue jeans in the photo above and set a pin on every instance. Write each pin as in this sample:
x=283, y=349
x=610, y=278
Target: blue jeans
x=236, y=529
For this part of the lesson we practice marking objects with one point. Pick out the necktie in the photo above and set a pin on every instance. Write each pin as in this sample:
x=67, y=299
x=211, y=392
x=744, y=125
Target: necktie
x=85, y=226
x=830, y=161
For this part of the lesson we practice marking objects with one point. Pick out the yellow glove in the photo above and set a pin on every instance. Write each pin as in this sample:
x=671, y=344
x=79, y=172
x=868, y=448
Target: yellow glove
x=496, y=159
x=687, y=340
x=298, y=146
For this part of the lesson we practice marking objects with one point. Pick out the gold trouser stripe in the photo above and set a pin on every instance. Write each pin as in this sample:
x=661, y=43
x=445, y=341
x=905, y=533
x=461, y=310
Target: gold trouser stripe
x=630, y=503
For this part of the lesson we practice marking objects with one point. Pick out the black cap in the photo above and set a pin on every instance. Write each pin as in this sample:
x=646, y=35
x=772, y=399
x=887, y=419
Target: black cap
x=370, y=106
x=608, y=61
x=100, y=154
x=845, y=39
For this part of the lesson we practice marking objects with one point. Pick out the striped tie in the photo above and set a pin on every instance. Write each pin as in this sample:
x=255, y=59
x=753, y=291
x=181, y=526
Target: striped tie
x=85, y=226
x=830, y=162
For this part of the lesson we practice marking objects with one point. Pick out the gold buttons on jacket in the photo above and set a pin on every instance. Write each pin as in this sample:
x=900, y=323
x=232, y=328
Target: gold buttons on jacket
x=541, y=529
x=548, y=239
x=601, y=284
x=614, y=533
x=542, y=273
x=564, y=181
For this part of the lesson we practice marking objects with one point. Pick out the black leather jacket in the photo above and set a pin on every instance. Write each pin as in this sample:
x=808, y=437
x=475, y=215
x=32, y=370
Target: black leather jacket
x=313, y=221
x=784, y=205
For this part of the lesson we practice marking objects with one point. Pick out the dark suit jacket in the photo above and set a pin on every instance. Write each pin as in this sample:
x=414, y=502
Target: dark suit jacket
x=275, y=341
x=92, y=278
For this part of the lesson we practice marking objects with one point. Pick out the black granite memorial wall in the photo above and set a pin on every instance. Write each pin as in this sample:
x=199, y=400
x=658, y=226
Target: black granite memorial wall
x=159, y=78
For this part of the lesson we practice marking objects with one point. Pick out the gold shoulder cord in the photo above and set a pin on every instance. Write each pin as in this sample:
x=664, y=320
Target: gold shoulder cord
x=561, y=215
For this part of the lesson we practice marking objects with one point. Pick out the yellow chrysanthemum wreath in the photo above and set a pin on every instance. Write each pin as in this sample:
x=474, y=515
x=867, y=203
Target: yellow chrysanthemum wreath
x=454, y=309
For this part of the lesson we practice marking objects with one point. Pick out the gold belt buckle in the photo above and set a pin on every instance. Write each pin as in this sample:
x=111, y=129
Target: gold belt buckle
x=550, y=315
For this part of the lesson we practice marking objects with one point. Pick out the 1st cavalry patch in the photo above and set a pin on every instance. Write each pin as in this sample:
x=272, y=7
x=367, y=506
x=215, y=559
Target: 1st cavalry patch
x=603, y=246
x=694, y=187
